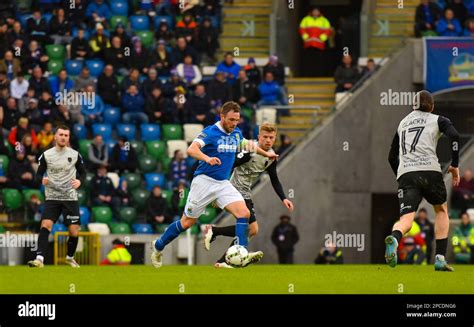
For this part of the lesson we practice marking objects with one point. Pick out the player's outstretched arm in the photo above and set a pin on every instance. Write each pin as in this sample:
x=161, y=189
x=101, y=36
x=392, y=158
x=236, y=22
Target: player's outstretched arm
x=272, y=172
x=194, y=151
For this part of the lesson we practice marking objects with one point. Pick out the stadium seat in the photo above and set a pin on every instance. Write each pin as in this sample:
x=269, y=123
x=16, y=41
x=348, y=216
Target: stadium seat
x=139, y=197
x=128, y=214
x=168, y=195
x=85, y=215
x=54, y=66
x=165, y=164
x=265, y=115
x=73, y=67
x=154, y=179
x=133, y=180
x=248, y=113
x=80, y=131
x=82, y=196
x=24, y=5
x=195, y=229
x=142, y=229
x=114, y=20
x=147, y=163
x=167, y=19
x=99, y=228
x=182, y=200
x=87, y=181
x=119, y=228
x=95, y=66
x=55, y=51
x=172, y=132
x=102, y=214
x=110, y=145
x=150, y=132
x=24, y=20
x=87, y=35
x=156, y=149
x=119, y=7
x=139, y=23
x=28, y=193
x=2, y=229
x=177, y=145
x=146, y=37
x=126, y=130
x=137, y=146
x=58, y=228
x=160, y=228
x=208, y=216
x=102, y=129
x=12, y=199
x=4, y=161
x=112, y=116
x=191, y=131
x=47, y=17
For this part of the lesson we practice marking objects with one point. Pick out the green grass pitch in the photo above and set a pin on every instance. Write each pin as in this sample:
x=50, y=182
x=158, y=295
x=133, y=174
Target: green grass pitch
x=256, y=279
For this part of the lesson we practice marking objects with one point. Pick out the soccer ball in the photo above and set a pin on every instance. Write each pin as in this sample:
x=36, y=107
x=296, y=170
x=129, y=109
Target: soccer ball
x=236, y=256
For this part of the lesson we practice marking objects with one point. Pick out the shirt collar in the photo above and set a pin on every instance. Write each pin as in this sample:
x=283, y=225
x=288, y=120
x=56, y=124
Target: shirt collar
x=218, y=124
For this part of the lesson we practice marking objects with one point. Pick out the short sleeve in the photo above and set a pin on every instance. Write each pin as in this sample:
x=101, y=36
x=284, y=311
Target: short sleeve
x=203, y=138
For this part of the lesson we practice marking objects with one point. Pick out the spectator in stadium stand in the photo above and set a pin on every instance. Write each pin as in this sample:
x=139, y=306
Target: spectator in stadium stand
x=60, y=84
x=16, y=32
x=31, y=151
x=253, y=72
x=158, y=107
x=10, y=65
x=276, y=68
x=315, y=29
x=164, y=33
x=80, y=46
x=22, y=129
x=20, y=172
x=426, y=17
x=229, y=67
x=459, y=10
x=98, y=153
x=99, y=42
x=427, y=229
x=133, y=78
x=37, y=28
x=188, y=72
x=92, y=114
x=123, y=158
x=122, y=34
x=157, y=208
x=330, y=255
x=75, y=111
x=189, y=6
x=173, y=85
x=178, y=168
x=19, y=86
x=410, y=252
x=285, y=144
x=463, y=194
x=150, y=82
x=103, y=191
x=469, y=30
x=35, y=57
x=45, y=137
x=60, y=28
x=77, y=13
x=108, y=86
x=61, y=116
x=198, y=106
x=84, y=79
x=187, y=28
x=124, y=193
x=11, y=114
x=463, y=241
x=270, y=92
x=133, y=106
x=448, y=25
x=346, y=75
x=25, y=99
x=161, y=59
x=208, y=39
x=98, y=12
x=219, y=90
x=115, y=56
x=118, y=256
x=244, y=127
x=4, y=81
x=33, y=114
x=285, y=236
x=3, y=38
x=140, y=56
x=38, y=81
x=182, y=49
x=178, y=192
x=245, y=92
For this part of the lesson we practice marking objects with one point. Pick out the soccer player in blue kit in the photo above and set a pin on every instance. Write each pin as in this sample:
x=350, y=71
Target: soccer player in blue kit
x=215, y=147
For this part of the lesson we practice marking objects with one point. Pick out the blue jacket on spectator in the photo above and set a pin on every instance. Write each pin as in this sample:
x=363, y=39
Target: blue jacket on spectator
x=442, y=27
x=269, y=92
x=102, y=10
x=232, y=69
x=54, y=86
x=133, y=103
x=96, y=110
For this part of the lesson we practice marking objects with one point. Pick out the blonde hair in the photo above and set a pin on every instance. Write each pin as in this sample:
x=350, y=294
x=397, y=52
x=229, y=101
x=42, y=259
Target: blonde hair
x=267, y=127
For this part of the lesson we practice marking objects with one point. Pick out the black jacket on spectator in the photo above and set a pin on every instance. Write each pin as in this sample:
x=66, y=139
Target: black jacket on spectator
x=39, y=85
x=278, y=72
x=178, y=56
x=116, y=58
x=420, y=19
x=101, y=186
x=78, y=44
x=46, y=109
x=16, y=168
x=3, y=43
x=162, y=65
x=148, y=85
x=219, y=91
x=34, y=116
x=289, y=239
x=254, y=75
x=196, y=105
x=129, y=164
x=160, y=104
x=345, y=75
x=55, y=27
x=140, y=61
x=126, y=41
x=10, y=118
x=169, y=88
x=108, y=89
x=157, y=206
x=41, y=26
x=460, y=11
x=76, y=15
x=245, y=89
x=208, y=40
x=166, y=35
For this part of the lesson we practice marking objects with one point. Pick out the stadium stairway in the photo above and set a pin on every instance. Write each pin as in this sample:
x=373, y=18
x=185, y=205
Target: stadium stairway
x=390, y=25
x=246, y=25
x=307, y=92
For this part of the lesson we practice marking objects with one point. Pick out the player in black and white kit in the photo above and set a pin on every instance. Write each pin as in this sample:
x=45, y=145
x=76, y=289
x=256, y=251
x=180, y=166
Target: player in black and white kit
x=64, y=170
x=415, y=163
x=247, y=168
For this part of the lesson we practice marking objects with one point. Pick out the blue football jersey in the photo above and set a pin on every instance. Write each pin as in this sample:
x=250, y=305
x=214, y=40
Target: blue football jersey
x=215, y=142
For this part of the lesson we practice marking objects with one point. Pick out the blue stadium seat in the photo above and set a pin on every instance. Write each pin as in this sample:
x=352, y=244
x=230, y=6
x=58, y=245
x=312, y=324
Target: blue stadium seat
x=119, y=7
x=142, y=229
x=126, y=130
x=112, y=115
x=58, y=228
x=150, y=132
x=47, y=16
x=154, y=179
x=95, y=66
x=168, y=19
x=110, y=145
x=102, y=129
x=80, y=131
x=139, y=23
x=85, y=215
x=73, y=67
x=24, y=19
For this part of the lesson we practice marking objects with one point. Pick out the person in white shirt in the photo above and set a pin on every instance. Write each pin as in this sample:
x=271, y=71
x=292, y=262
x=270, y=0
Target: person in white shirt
x=19, y=86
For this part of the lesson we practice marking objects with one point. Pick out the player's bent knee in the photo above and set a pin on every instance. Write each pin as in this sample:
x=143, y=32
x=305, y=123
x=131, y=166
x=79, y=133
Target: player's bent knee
x=46, y=223
x=441, y=208
x=187, y=222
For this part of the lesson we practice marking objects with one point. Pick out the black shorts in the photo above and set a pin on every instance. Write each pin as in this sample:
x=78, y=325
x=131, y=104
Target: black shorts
x=414, y=186
x=249, y=204
x=70, y=210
